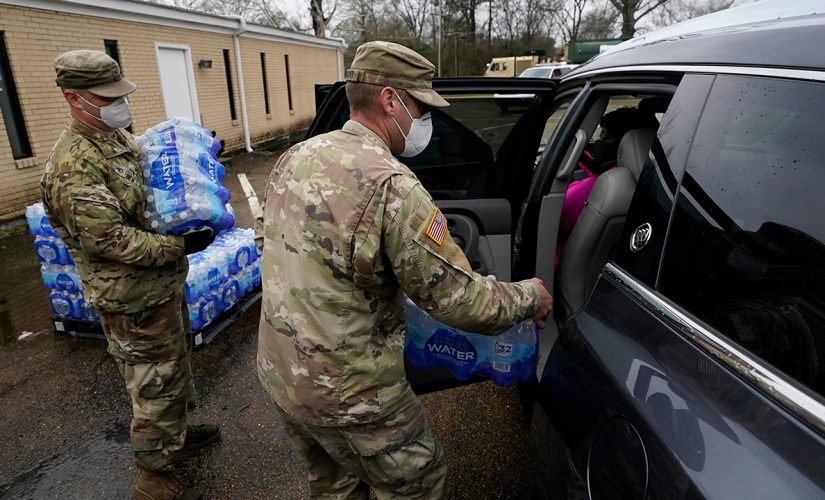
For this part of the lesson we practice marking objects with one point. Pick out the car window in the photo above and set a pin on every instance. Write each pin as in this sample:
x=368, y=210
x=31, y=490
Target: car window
x=552, y=123
x=652, y=201
x=536, y=73
x=462, y=158
x=463, y=153
x=746, y=248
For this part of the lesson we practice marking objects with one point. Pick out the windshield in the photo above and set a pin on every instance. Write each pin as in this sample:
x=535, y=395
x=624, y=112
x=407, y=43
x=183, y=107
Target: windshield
x=536, y=73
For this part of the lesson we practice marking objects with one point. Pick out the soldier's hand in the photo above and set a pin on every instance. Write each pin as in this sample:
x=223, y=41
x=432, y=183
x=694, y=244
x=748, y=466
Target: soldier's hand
x=198, y=240
x=545, y=305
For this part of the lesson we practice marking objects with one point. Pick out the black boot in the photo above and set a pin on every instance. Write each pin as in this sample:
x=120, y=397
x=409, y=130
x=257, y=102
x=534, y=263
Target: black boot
x=200, y=436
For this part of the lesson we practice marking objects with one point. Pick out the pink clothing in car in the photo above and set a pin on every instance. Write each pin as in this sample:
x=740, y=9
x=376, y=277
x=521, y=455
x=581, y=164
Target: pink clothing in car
x=574, y=201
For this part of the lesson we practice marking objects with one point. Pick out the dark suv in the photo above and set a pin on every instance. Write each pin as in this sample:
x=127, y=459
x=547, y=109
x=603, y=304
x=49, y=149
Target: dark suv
x=687, y=355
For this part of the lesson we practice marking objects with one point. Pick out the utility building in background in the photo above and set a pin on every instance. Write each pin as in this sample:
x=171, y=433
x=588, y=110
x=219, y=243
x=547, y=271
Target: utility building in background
x=249, y=83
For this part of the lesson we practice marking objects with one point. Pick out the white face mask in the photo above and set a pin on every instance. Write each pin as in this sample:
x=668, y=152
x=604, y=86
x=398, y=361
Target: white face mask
x=114, y=115
x=421, y=130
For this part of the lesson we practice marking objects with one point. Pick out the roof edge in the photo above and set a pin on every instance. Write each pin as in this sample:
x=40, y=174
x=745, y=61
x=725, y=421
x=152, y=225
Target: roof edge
x=149, y=13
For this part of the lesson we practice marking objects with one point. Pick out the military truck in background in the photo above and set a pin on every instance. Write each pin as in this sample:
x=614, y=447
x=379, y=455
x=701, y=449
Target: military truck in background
x=514, y=65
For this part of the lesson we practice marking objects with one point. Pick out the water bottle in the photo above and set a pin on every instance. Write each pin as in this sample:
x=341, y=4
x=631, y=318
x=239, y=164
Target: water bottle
x=195, y=321
x=430, y=343
x=49, y=274
x=68, y=280
x=512, y=356
x=193, y=287
x=47, y=250
x=230, y=293
x=62, y=304
x=246, y=281
x=208, y=309
x=86, y=311
x=38, y=222
x=183, y=178
x=214, y=276
x=256, y=274
x=506, y=359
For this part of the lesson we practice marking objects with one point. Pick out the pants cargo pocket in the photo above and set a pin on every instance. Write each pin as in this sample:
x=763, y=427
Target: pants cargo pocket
x=148, y=336
x=147, y=445
x=413, y=469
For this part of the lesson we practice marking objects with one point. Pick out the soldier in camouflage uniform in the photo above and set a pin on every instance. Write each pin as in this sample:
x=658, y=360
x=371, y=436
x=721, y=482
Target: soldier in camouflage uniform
x=347, y=231
x=93, y=195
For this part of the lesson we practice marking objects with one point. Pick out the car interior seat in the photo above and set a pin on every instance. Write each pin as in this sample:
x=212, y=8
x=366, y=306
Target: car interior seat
x=602, y=219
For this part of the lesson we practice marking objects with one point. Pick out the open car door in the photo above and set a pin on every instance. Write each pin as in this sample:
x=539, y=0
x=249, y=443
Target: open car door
x=477, y=167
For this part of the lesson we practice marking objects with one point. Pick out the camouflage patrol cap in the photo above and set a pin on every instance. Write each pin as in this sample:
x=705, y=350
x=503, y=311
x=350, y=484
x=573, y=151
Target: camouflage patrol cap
x=393, y=65
x=91, y=70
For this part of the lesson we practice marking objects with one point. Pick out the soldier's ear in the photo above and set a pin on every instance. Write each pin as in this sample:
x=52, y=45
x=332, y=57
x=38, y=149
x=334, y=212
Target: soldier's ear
x=386, y=101
x=72, y=98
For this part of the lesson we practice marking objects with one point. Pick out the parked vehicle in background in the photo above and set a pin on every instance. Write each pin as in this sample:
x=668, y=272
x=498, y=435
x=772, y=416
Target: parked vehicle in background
x=509, y=101
x=511, y=66
x=547, y=71
x=685, y=356
x=580, y=51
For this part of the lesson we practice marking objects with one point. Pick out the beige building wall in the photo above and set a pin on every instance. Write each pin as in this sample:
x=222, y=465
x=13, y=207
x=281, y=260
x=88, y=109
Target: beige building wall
x=34, y=37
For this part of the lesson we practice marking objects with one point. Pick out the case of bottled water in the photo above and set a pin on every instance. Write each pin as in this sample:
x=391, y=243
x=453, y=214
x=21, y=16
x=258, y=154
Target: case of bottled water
x=57, y=269
x=220, y=276
x=182, y=178
x=506, y=359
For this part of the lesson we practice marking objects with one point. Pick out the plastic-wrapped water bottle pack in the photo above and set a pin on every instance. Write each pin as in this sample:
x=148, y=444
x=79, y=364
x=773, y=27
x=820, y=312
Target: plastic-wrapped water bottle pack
x=220, y=276
x=182, y=178
x=57, y=269
x=506, y=359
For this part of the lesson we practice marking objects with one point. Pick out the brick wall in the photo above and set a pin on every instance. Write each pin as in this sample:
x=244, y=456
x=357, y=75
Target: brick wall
x=35, y=37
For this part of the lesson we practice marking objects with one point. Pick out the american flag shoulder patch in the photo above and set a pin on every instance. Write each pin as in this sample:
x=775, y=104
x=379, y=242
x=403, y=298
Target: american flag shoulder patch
x=437, y=228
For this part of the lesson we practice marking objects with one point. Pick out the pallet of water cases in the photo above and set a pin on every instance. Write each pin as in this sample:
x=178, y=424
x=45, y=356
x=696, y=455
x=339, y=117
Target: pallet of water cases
x=83, y=329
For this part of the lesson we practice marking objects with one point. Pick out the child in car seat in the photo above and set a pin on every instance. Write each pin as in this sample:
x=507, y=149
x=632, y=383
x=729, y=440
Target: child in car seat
x=597, y=158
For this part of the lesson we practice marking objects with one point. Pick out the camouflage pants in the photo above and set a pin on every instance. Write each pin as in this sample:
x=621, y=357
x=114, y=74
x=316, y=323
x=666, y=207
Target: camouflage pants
x=345, y=462
x=152, y=351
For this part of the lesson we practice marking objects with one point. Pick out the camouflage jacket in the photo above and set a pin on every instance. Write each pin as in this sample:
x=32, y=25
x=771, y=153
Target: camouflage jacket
x=348, y=228
x=93, y=195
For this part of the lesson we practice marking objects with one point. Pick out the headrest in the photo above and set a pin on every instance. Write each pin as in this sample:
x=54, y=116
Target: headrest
x=634, y=148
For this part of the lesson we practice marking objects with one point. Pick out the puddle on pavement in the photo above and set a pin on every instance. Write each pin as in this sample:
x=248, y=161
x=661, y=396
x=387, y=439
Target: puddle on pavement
x=24, y=302
x=91, y=470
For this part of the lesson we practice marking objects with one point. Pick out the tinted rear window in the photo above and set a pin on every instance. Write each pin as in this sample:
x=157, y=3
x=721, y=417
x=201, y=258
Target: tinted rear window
x=746, y=251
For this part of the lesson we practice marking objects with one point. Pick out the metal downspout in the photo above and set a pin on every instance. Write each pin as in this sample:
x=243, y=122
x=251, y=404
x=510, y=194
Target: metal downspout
x=241, y=88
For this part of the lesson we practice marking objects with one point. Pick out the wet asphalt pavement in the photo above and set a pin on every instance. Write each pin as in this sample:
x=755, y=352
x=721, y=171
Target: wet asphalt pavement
x=64, y=412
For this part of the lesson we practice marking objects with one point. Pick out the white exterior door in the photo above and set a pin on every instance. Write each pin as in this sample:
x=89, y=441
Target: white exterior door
x=177, y=82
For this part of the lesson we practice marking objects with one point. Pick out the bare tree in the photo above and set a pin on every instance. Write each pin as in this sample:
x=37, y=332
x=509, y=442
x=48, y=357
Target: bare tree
x=681, y=10
x=413, y=13
x=568, y=16
x=465, y=13
x=598, y=23
x=634, y=10
x=319, y=18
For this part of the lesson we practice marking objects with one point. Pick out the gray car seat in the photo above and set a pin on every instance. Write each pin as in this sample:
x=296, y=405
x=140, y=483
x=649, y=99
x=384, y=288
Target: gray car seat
x=602, y=219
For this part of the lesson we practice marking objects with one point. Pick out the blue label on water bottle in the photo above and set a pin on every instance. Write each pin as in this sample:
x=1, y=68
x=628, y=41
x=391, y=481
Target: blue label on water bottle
x=456, y=350
x=167, y=136
x=214, y=278
x=66, y=282
x=165, y=172
x=167, y=183
x=45, y=226
x=209, y=166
